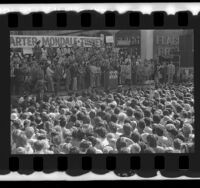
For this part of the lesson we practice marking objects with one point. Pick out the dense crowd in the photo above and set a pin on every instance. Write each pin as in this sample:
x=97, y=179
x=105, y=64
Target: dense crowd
x=92, y=121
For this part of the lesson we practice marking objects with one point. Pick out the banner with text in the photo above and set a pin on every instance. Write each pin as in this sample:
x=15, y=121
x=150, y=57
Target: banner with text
x=26, y=41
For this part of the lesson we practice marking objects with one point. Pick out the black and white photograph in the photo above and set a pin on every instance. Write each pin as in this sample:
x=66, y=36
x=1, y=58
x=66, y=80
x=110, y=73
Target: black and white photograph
x=102, y=91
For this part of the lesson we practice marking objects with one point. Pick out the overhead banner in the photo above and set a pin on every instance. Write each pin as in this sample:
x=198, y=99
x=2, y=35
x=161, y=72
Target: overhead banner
x=27, y=41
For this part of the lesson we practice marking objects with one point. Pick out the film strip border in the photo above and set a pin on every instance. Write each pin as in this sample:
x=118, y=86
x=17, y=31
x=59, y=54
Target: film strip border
x=122, y=165
x=145, y=165
x=88, y=19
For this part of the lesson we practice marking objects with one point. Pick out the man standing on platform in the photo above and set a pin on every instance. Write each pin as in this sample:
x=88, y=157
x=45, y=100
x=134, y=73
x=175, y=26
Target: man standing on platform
x=133, y=70
x=59, y=72
x=67, y=77
x=49, y=74
x=50, y=52
x=165, y=72
x=171, y=72
x=106, y=77
x=74, y=74
x=37, y=51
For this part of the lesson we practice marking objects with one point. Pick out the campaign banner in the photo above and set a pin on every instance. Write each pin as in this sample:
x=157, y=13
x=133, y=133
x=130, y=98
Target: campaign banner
x=27, y=41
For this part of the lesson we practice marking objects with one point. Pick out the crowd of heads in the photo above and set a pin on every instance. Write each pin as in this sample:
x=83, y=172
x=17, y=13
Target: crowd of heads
x=125, y=120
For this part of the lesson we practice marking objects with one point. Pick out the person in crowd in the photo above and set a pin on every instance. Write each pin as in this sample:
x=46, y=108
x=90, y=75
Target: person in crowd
x=51, y=52
x=58, y=76
x=37, y=51
x=81, y=76
x=12, y=77
x=40, y=89
x=67, y=77
x=171, y=72
x=19, y=79
x=165, y=72
x=74, y=75
x=60, y=51
x=44, y=53
x=50, y=76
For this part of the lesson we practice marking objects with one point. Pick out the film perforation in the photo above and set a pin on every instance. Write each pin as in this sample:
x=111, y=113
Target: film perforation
x=37, y=19
x=61, y=19
x=184, y=162
x=134, y=19
x=158, y=18
x=13, y=164
x=86, y=163
x=38, y=163
x=62, y=163
x=110, y=163
x=12, y=20
x=125, y=166
x=110, y=19
x=182, y=18
x=159, y=162
x=135, y=163
x=86, y=19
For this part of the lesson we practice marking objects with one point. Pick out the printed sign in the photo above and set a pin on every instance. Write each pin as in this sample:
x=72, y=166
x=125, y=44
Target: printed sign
x=26, y=41
x=109, y=39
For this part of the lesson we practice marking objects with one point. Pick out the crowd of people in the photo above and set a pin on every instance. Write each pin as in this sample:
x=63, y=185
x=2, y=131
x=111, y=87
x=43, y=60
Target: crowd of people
x=48, y=69
x=92, y=121
x=91, y=118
